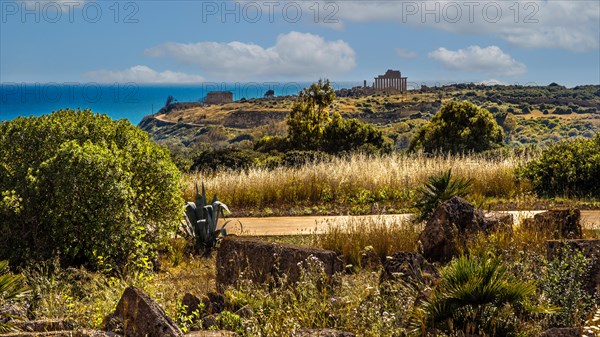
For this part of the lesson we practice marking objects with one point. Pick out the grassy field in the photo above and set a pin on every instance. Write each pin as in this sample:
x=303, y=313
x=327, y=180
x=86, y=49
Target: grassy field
x=357, y=303
x=358, y=184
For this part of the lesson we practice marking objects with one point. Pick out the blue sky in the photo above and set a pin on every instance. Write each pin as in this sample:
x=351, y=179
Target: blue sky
x=176, y=42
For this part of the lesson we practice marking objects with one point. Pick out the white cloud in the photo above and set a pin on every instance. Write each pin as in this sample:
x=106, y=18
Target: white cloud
x=492, y=81
x=407, y=54
x=301, y=55
x=570, y=25
x=488, y=60
x=142, y=74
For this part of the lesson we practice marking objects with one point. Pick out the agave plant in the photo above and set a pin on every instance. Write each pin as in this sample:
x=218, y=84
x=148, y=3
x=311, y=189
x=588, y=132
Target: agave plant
x=437, y=189
x=201, y=221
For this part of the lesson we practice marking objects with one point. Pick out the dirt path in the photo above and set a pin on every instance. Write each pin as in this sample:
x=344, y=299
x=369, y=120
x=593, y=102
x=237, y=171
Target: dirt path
x=297, y=225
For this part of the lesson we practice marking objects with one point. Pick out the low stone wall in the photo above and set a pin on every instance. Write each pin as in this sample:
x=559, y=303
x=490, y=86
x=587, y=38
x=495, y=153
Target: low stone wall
x=266, y=262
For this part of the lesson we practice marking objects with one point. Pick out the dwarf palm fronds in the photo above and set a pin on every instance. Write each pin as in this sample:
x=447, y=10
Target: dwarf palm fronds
x=437, y=189
x=11, y=288
x=476, y=295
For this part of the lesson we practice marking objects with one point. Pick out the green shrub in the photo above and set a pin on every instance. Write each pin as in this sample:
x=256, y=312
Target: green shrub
x=272, y=144
x=345, y=135
x=227, y=158
x=78, y=185
x=564, y=286
x=297, y=158
x=570, y=168
x=457, y=128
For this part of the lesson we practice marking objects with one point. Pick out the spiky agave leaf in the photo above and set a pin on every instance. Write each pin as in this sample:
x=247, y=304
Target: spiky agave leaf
x=202, y=220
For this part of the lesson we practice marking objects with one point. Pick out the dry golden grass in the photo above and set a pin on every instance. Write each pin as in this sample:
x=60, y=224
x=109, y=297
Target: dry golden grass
x=351, y=236
x=354, y=180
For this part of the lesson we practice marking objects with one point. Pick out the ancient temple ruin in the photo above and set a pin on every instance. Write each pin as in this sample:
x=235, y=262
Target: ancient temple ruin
x=218, y=97
x=392, y=80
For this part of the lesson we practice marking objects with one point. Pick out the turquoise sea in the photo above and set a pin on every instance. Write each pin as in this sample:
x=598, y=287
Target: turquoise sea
x=125, y=100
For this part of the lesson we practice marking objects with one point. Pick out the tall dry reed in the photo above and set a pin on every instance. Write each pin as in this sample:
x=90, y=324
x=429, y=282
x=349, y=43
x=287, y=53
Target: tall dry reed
x=357, y=179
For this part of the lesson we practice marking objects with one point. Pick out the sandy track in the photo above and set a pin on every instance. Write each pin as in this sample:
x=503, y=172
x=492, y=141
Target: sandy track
x=297, y=225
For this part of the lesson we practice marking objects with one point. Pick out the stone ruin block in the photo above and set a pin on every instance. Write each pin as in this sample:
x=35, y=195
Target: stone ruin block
x=557, y=223
x=139, y=315
x=266, y=262
x=452, y=224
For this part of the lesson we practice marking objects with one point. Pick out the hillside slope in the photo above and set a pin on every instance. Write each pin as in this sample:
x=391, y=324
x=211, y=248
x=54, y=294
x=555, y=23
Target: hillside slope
x=535, y=114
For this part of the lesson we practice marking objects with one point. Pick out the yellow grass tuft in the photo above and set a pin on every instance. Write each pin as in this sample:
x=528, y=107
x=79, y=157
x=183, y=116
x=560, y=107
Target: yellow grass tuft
x=354, y=180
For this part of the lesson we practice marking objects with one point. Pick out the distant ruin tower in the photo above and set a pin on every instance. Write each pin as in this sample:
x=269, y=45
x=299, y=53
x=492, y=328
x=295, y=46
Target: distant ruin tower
x=218, y=97
x=392, y=80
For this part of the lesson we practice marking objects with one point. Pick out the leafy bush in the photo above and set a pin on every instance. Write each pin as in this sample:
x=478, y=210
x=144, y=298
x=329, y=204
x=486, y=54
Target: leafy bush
x=78, y=185
x=438, y=189
x=345, y=135
x=300, y=158
x=227, y=158
x=570, y=168
x=564, y=286
x=457, y=128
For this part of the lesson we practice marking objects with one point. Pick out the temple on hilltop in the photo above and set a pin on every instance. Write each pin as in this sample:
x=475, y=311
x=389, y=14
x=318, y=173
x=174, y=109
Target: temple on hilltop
x=218, y=97
x=392, y=80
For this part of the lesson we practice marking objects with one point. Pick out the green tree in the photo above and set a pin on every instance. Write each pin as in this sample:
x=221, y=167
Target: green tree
x=78, y=185
x=309, y=116
x=345, y=135
x=457, y=128
x=569, y=168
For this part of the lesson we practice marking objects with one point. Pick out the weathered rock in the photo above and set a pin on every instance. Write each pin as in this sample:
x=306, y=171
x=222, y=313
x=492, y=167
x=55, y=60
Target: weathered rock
x=589, y=248
x=209, y=321
x=498, y=222
x=265, y=262
x=557, y=223
x=410, y=267
x=191, y=303
x=219, y=333
x=137, y=315
x=449, y=227
x=562, y=332
x=323, y=333
x=214, y=303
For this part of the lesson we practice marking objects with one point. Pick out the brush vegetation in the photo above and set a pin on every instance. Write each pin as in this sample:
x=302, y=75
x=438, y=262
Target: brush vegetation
x=358, y=183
